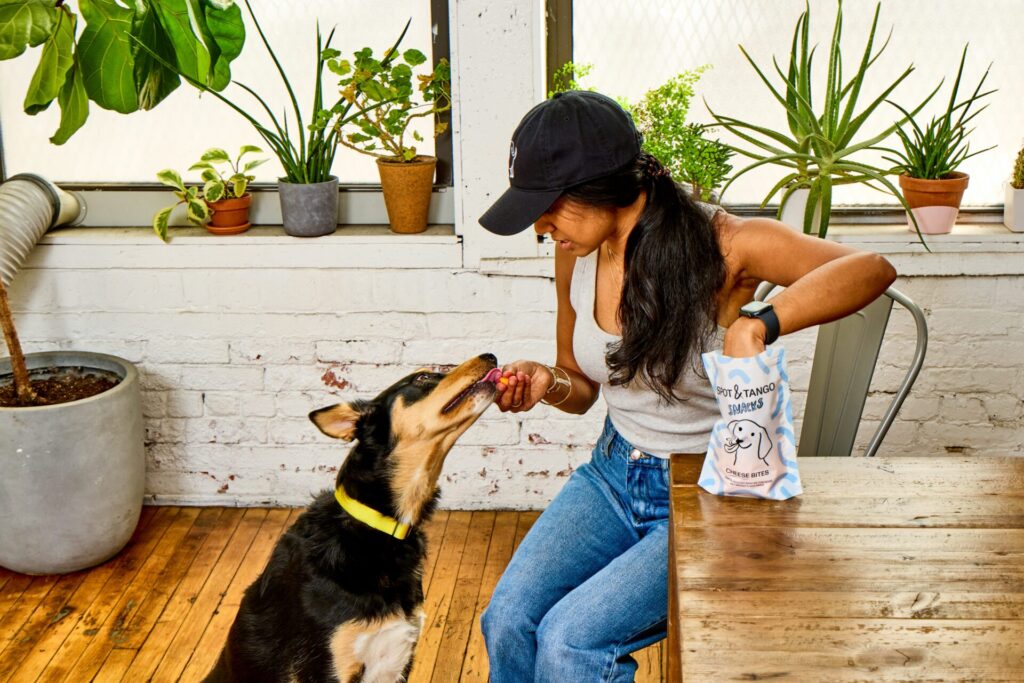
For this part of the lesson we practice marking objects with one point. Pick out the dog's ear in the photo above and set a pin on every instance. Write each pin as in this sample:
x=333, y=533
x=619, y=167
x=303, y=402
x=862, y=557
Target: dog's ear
x=339, y=421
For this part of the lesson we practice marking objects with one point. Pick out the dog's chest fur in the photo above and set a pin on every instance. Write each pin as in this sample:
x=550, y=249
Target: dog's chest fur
x=338, y=601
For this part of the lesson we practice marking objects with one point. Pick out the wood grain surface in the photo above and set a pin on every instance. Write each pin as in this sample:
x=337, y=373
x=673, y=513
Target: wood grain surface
x=885, y=569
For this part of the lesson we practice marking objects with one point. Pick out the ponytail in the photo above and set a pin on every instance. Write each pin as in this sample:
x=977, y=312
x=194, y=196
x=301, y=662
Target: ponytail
x=673, y=272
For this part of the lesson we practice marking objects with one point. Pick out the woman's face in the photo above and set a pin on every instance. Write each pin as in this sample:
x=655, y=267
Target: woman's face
x=576, y=228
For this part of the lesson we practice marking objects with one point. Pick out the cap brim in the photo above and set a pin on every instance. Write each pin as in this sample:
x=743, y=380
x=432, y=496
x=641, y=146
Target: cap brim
x=516, y=210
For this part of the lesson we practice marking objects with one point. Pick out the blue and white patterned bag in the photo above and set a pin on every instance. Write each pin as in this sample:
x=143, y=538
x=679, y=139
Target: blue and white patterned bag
x=752, y=450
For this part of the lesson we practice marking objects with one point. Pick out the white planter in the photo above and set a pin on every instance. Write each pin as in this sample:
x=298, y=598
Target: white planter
x=793, y=211
x=1013, y=209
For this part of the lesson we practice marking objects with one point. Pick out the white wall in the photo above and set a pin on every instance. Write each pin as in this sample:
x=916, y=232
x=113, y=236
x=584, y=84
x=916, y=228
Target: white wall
x=235, y=350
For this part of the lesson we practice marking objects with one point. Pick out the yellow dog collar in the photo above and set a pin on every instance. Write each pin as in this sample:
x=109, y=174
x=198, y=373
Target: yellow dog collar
x=367, y=515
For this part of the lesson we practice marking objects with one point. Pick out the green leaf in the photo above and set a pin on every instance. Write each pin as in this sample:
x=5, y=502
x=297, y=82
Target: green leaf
x=414, y=57
x=105, y=56
x=213, y=190
x=74, y=106
x=154, y=81
x=199, y=165
x=160, y=221
x=240, y=185
x=172, y=178
x=228, y=31
x=248, y=149
x=209, y=175
x=216, y=155
x=55, y=61
x=184, y=22
x=25, y=23
x=253, y=164
x=197, y=211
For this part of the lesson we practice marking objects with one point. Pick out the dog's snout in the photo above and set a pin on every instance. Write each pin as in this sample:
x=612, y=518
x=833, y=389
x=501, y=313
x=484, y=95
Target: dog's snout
x=489, y=357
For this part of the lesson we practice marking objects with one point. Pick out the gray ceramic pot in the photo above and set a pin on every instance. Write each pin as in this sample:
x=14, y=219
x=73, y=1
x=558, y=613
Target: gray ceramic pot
x=72, y=474
x=309, y=209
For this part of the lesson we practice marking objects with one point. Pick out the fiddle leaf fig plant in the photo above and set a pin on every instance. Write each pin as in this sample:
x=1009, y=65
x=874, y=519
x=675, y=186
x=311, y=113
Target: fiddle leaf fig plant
x=110, y=62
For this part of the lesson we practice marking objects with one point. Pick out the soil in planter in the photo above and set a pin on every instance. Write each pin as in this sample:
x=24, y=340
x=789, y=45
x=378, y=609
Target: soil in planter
x=56, y=385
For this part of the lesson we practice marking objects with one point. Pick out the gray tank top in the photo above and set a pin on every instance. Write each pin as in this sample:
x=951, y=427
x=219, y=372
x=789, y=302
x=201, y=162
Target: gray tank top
x=637, y=412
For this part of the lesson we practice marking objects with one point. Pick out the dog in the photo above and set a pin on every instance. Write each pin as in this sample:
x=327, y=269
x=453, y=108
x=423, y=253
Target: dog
x=341, y=596
x=747, y=434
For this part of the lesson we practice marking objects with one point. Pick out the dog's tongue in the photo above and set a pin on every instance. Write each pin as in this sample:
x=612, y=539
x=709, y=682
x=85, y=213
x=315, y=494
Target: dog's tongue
x=493, y=376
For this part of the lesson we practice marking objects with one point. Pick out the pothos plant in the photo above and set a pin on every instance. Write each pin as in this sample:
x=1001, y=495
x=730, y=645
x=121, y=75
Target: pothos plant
x=381, y=91
x=197, y=199
x=111, y=61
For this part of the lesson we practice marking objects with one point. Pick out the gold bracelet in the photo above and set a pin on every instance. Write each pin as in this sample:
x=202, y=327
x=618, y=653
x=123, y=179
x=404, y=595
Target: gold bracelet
x=567, y=381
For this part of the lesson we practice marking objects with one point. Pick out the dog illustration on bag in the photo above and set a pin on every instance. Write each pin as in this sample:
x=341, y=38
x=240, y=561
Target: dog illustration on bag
x=749, y=437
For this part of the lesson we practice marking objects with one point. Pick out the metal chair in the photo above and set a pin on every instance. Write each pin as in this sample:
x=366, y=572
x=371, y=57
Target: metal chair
x=844, y=362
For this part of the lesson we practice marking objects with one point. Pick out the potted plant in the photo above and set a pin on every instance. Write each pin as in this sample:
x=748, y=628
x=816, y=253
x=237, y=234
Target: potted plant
x=930, y=156
x=1013, y=209
x=221, y=204
x=71, y=430
x=406, y=176
x=682, y=147
x=818, y=151
x=306, y=150
x=107, y=63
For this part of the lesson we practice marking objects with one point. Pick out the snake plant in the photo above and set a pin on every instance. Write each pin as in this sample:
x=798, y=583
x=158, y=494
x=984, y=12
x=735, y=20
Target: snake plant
x=818, y=150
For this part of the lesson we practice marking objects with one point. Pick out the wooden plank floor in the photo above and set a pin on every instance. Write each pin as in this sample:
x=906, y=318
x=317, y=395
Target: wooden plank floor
x=162, y=608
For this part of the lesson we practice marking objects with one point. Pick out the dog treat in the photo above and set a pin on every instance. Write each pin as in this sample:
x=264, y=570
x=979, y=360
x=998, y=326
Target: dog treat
x=504, y=380
x=752, y=450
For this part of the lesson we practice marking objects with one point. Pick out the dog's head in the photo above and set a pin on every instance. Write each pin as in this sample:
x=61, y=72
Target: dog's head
x=405, y=433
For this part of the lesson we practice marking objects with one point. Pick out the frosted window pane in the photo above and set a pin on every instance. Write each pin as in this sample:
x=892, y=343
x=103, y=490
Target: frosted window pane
x=113, y=147
x=635, y=46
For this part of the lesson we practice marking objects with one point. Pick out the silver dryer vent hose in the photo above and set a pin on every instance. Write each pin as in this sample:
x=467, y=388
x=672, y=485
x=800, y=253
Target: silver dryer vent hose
x=29, y=206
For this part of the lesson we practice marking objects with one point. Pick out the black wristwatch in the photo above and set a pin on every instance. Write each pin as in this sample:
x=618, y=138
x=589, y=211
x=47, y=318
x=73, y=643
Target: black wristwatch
x=764, y=312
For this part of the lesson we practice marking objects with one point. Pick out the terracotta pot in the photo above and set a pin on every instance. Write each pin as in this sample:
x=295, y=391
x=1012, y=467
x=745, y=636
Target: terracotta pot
x=230, y=216
x=935, y=203
x=407, y=187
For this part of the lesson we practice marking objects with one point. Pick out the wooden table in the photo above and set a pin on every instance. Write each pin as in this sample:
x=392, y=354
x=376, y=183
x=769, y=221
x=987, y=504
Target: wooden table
x=885, y=569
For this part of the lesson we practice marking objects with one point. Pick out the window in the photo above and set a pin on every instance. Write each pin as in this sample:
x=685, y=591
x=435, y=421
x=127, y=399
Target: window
x=637, y=46
x=114, y=148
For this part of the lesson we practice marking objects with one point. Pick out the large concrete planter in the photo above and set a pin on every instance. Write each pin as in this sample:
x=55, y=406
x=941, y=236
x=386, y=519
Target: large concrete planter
x=794, y=209
x=71, y=475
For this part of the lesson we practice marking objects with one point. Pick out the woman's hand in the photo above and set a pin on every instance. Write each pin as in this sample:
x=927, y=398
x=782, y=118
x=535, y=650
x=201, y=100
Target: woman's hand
x=528, y=381
x=744, y=338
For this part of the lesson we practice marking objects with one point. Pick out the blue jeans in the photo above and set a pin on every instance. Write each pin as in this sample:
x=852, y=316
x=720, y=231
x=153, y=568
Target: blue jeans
x=589, y=582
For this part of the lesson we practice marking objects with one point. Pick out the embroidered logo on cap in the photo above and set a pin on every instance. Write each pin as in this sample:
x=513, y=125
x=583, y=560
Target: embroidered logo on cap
x=512, y=161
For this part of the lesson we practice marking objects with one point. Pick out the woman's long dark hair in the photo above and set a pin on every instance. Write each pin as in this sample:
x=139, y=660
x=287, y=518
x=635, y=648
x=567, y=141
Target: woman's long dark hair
x=673, y=271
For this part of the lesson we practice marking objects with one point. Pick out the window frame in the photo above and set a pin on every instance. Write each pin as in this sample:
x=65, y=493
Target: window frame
x=559, y=25
x=443, y=144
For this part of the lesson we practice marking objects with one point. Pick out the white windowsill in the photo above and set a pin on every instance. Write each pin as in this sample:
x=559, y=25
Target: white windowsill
x=971, y=249
x=351, y=246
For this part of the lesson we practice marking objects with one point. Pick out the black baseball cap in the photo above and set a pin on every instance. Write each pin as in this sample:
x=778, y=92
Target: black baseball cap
x=569, y=139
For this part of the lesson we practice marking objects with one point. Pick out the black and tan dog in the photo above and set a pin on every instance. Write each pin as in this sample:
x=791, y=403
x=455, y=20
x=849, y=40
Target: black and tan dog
x=341, y=597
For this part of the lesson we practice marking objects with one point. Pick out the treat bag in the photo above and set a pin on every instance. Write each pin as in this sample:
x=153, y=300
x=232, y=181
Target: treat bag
x=752, y=450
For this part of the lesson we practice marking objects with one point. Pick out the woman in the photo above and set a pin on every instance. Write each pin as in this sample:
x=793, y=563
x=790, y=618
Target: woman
x=646, y=280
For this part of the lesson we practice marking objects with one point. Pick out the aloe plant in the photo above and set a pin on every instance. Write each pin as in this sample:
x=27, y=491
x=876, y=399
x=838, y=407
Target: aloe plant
x=818, y=150
x=106, y=63
x=938, y=149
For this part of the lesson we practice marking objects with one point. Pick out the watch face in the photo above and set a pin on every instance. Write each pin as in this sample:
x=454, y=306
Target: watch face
x=755, y=307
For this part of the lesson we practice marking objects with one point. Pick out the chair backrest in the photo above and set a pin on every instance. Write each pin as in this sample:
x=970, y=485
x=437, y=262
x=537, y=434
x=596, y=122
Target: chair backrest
x=844, y=361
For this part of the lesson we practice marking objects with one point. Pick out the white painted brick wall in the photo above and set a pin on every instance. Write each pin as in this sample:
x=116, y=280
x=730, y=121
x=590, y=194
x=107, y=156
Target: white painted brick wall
x=233, y=360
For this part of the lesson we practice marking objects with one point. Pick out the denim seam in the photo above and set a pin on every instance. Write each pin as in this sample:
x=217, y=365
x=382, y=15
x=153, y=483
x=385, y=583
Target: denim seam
x=618, y=646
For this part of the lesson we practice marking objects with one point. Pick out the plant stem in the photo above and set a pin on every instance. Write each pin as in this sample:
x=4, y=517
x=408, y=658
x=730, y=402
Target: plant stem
x=22, y=386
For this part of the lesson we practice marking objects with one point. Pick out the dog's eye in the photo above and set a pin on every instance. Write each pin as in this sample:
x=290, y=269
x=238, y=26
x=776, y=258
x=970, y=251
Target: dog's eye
x=422, y=378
